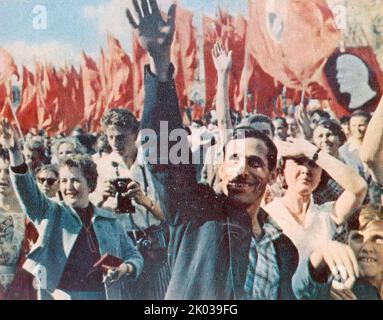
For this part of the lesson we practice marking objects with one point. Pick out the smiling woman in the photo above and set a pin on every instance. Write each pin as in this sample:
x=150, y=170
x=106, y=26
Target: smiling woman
x=78, y=233
x=307, y=224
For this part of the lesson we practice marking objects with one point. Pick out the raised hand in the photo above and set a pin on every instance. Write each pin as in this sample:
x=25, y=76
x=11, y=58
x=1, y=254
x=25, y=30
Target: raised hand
x=153, y=32
x=340, y=259
x=303, y=121
x=296, y=148
x=8, y=137
x=222, y=60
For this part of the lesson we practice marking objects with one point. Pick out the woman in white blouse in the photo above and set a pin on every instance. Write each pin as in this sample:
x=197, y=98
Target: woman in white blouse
x=306, y=224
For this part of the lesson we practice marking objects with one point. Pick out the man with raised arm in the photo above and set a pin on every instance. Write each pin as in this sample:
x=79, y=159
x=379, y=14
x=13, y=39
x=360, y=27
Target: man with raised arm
x=222, y=246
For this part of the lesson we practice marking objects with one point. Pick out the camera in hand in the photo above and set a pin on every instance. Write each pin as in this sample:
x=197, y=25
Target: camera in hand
x=124, y=203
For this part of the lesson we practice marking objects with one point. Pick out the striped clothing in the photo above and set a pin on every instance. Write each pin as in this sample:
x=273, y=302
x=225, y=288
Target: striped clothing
x=262, y=278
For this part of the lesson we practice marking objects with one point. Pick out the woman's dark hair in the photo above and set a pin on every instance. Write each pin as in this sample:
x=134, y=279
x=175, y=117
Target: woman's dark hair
x=281, y=168
x=50, y=168
x=86, y=165
x=334, y=127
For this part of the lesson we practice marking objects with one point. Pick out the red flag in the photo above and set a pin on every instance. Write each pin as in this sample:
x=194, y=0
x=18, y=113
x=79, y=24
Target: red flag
x=7, y=66
x=71, y=107
x=27, y=110
x=231, y=32
x=354, y=80
x=6, y=102
x=121, y=76
x=48, y=98
x=291, y=39
x=184, y=54
x=94, y=101
x=258, y=87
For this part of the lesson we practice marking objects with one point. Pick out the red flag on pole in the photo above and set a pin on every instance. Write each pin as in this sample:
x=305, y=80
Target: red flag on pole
x=231, y=32
x=121, y=76
x=8, y=66
x=71, y=108
x=292, y=38
x=27, y=110
x=6, y=101
x=94, y=101
x=184, y=54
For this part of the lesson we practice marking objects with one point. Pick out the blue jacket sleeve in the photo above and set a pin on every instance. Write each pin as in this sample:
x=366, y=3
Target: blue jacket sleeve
x=131, y=255
x=33, y=202
x=305, y=287
x=174, y=182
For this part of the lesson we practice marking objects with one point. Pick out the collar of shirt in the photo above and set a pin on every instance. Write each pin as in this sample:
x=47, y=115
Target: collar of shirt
x=271, y=229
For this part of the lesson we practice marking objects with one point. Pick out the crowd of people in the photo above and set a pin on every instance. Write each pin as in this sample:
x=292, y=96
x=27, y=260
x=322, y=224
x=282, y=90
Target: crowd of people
x=260, y=209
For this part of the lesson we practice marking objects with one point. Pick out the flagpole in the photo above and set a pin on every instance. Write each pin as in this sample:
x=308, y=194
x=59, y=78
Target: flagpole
x=14, y=113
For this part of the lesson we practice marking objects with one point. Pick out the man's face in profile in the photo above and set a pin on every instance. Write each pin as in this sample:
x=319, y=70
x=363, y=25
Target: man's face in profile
x=350, y=73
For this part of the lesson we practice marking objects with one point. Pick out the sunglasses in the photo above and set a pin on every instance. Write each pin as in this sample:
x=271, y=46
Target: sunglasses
x=50, y=181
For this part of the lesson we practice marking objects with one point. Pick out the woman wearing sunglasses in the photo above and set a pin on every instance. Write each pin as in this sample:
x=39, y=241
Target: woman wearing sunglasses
x=47, y=178
x=309, y=225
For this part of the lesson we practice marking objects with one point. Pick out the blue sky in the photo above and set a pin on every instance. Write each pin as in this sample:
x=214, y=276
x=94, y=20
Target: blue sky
x=73, y=25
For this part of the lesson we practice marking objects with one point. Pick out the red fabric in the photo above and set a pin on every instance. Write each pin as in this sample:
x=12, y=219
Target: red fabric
x=309, y=35
x=336, y=103
x=47, y=89
x=197, y=112
x=27, y=111
x=261, y=87
x=6, y=101
x=94, y=101
x=7, y=66
x=231, y=31
x=121, y=77
x=184, y=54
x=71, y=104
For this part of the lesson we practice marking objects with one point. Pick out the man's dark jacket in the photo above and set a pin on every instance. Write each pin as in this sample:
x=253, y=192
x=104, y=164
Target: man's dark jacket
x=209, y=237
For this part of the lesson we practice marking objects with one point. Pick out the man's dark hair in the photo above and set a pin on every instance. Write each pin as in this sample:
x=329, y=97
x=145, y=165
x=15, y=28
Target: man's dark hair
x=260, y=118
x=362, y=114
x=249, y=132
x=344, y=120
x=334, y=127
x=120, y=118
x=322, y=114
x=281, y=119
